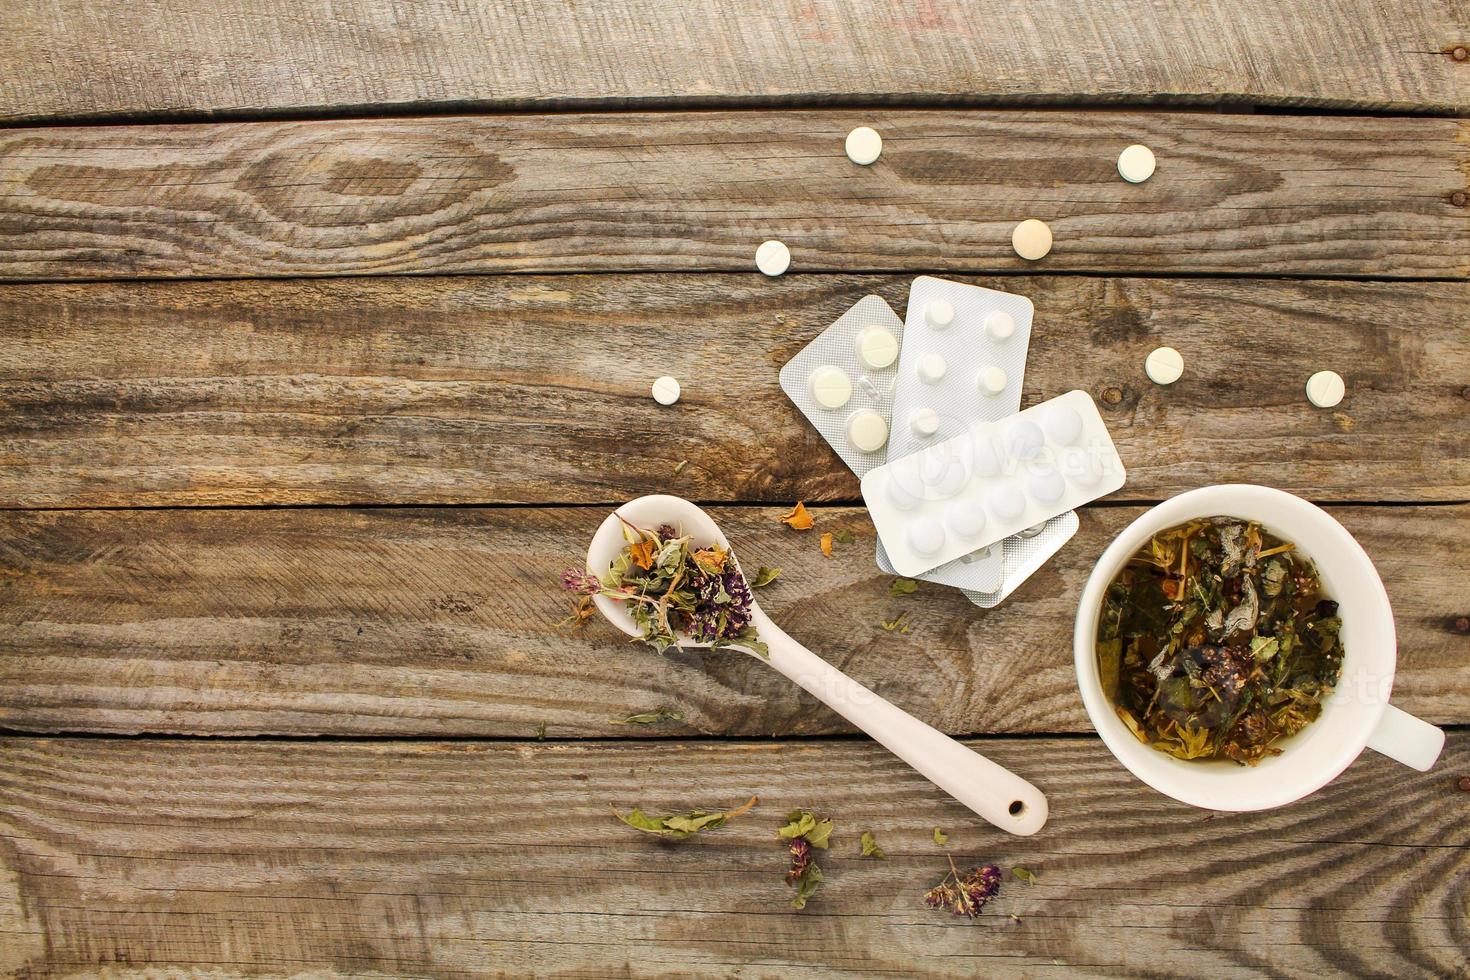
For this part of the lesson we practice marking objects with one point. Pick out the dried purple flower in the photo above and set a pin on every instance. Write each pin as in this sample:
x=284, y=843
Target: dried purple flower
x=580, y=582
x=965, y=894
x=801, y=856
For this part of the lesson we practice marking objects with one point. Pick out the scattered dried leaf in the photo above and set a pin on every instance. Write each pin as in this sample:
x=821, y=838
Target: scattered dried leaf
x=798, y=519
x=902, y=587
x=680, y=826
x=940, y=837
x=826, y=544
x=871, y=848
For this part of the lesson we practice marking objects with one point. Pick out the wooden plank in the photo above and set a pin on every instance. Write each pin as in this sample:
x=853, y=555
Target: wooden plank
x=232, y=57
x=535, y=389
x=699, y=191
x=433, y=859
x=449, y=622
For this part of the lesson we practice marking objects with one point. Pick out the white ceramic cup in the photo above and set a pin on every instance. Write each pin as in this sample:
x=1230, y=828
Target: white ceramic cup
x=1355, y=716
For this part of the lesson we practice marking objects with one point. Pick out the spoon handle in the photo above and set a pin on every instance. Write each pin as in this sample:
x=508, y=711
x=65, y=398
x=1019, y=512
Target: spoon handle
x=993, y=792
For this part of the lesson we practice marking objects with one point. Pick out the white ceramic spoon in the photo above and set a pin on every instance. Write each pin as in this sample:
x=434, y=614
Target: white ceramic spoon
x=996, y=794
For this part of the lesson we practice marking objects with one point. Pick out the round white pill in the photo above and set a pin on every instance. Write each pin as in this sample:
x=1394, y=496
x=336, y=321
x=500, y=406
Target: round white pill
x=925, y=536
x=992, y=380
x=1006, y=501
x=877, y=348
x=1062, y=424
x=987, y=458
x=1164, y=365
x=1031, y=239
x=1136, y=164
x=1325, y=389
x=931, y=368
x=666, y=390
x=1079, y=466
x=900, y=496
x=831, y=386
x=1024, y=439
x=1045, y=485
x=863, y=145
x=772, y=258
x=867, y=431
x=1000, y=324
x=939, y=314
x=924, y=422
x=945, y=479
x=965, y=518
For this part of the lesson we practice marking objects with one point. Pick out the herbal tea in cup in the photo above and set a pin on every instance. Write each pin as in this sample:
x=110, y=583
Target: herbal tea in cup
x=1216, y=641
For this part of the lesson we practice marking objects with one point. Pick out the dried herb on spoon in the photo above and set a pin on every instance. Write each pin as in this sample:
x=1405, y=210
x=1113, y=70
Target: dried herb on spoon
x=672, y=588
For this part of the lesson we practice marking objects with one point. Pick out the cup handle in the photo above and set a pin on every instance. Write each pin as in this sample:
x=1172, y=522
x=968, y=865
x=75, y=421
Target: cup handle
x=1403, y=738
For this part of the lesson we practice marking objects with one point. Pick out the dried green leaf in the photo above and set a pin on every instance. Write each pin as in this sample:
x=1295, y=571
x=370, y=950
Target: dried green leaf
x=843, y=536
x=679, y=466
x=541, y=732
x=940, y=837
x=1028, y=877
x=902, y=587
x=806, y=885
x=651, y=717
x=680, y=826
x=870, y=847
x=896, y=623
x=764, y=576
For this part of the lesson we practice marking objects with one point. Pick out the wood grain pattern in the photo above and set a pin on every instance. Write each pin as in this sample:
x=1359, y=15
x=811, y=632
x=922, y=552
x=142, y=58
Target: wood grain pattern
x=699, y=191
x=535, y=389
x=168, y=57
x=432, y=859
x=447, y=622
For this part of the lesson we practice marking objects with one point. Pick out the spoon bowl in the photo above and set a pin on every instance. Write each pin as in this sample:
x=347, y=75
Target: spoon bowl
x=995, y=793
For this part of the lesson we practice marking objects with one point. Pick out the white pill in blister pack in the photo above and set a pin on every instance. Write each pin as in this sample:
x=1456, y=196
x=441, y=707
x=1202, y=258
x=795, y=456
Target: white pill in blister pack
x=992, y=380
x=1032, y=485
x=1023, y=554
x=931, y=369
x=843, y=381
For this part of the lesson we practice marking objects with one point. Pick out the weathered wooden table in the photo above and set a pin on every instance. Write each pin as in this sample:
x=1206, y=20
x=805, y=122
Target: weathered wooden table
x=326, y=334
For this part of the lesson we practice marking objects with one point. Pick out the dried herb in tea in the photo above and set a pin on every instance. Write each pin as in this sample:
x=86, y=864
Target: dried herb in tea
x=673, y=588
x=1216, y=641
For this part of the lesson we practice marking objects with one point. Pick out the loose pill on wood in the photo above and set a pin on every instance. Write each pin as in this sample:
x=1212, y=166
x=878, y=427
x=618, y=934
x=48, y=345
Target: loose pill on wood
x=1164, y=365
x=864, y=145
x=772, y=258
x=1136, y=164
x=1031, y=239
x=666, y=390
x=1325, y=389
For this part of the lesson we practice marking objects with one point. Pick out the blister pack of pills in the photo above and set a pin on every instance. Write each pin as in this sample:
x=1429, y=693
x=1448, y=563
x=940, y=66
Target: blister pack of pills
x=843, y=381
x=1021, y=555
x=991, y=481
x=964, y=359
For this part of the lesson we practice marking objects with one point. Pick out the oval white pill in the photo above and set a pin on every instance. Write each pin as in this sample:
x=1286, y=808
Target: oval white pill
x=1136, y=163
x=1006, y=501
x=992, y=380
x=867, y=431
x=1024, y=439
x=1045, y=485
x=925, y=536
x=877, y=348
x=1325, y=389
x=772, y=258
x=1000, y=324
x=965, y=518
x=1079, y=466
x=863, y=145
x=924, y=422
x=1062, y=424
x=1164, y=365
x=931, y=368
x=900, y=496
x=939, y=313
x=831, y=386
x=666, y=390
x=1031, y=239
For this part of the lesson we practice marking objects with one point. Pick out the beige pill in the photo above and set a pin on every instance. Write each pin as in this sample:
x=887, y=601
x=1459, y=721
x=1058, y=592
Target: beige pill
x=831, y=386
x=863, y=145
x=1136, y=163
x=1031, y=239
x=1325, y=389
x=877, y=348
x=1164, y=366
x=666, y=390
x=867, y=431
